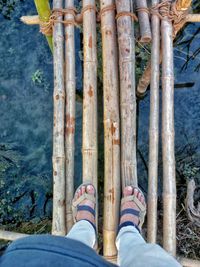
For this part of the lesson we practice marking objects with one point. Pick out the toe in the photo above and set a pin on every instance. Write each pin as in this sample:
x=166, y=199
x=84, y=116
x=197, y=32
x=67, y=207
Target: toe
x=139, y=196
x=83, y=190
x=135, y=192
x=90, y=189
x=128, y=190
x=79, y=192
x=142, y=200
x=76, y=196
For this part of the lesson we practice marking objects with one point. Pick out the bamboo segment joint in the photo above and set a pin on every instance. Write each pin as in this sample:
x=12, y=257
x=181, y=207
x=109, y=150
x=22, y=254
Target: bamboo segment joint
x=124, y=13
x=107, y=8
x=143, y=9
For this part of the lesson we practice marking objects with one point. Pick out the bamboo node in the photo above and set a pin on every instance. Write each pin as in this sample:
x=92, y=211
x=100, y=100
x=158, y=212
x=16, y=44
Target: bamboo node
x=106, y=9
x=126, y=13
x=143, y=9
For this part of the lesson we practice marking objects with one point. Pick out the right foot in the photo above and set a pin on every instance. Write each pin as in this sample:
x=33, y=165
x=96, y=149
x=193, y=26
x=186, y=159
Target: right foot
x=129, y=191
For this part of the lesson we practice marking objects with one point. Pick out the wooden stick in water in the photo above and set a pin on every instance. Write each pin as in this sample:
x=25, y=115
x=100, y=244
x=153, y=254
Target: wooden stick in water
x=169, y=176
x=70, y=111
x=89, y=142
x=126, y=45
x=111, y=128
x=58, y=224
x=153, y=130
x=144, y=21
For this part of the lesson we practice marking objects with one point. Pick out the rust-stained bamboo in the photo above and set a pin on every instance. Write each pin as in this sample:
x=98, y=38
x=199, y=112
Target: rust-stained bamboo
x=146, y=76
x=127, y=94
x=169, y=176
x=89, y=145
x=11, y=236
x=153, y=130
x=70, y=111
x=111, y=128
x=58, y=224
x=144, y=21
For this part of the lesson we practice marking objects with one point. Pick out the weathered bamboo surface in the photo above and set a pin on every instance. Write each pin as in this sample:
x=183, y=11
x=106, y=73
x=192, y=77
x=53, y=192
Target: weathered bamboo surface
x=146, y=76
x=169, y=176
x=153, y=130
x=111, y=128
x=58, y=224
x=89, y=145
x=70, y=111
x=127, y=94
x=144, y=21
x=7, y=235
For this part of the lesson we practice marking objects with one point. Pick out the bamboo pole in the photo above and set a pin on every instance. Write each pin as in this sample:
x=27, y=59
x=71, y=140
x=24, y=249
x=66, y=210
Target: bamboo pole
x=188, y=262
x=144, y=21
x=146, y=77
x=127, y=94
x=111, y=128
x=34, y=20
x=44, y=12
x=193, y=18
x=58, y=224
x=11, y=236
x=70, y=82
x=169, y=176
x=153, y=130
x=89, y=142
x=30, y=20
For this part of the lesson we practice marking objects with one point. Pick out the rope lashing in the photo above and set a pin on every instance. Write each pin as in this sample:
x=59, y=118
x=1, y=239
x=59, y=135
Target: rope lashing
x=168, y=11
x=143, y=9
x=46, y=27
x=126, y=13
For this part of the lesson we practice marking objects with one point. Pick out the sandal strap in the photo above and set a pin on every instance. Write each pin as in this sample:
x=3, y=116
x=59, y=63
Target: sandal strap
x=130, y=211
x=86, y=208
x=84, y=197
x=136, y=201
x=128, y=223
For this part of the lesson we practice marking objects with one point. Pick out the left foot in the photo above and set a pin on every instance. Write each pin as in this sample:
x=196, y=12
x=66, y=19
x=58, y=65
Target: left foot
x=84, y=214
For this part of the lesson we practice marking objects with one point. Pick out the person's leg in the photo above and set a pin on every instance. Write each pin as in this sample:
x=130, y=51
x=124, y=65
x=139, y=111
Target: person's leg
x=84, y=230
x=132, y=248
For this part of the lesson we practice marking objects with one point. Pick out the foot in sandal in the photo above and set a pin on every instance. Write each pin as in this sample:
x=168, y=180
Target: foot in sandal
x=83, y=203
x=133, y=208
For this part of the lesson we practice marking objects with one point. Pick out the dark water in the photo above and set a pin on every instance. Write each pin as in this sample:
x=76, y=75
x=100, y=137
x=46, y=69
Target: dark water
x=26, y=88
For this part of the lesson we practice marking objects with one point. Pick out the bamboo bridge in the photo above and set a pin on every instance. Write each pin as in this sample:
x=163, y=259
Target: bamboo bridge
x=117, y=19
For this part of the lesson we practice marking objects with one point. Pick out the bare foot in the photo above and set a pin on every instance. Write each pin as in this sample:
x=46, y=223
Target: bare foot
x=128, y=191
x=83, y=214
